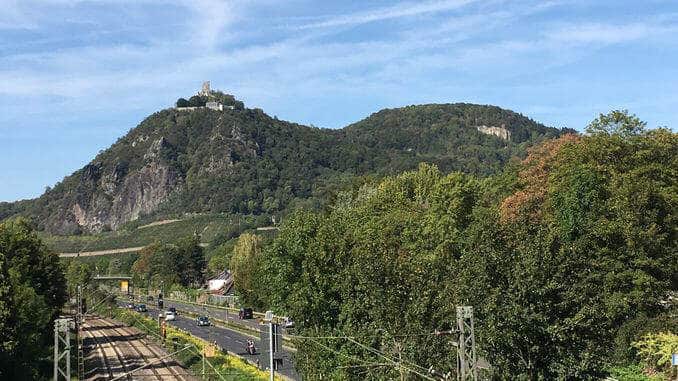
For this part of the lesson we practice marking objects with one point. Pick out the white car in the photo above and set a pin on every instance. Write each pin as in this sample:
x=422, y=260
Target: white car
x=169, y=315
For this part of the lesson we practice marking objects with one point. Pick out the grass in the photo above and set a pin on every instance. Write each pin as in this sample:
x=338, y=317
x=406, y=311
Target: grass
x=213, y=229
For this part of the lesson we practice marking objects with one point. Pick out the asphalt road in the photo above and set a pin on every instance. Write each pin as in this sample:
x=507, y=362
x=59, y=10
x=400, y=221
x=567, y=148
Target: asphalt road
x=219, y=313
x=227, y=339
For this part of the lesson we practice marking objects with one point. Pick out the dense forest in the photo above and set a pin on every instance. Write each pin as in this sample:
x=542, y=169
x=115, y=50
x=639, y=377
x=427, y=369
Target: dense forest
x=242, y=161
x=569, y=258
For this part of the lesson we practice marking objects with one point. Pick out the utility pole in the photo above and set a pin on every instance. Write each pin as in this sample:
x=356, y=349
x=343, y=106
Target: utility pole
x=79, y=338
x=270, y=347
x=467, y=364
x=62, y=335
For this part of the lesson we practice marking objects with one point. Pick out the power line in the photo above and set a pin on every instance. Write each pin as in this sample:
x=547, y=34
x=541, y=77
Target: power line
x=435, y=333
x=375, y=351
x=398, y=363
x=340, y=353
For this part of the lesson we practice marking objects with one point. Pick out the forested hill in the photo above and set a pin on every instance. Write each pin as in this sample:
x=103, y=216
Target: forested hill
x=241, y=160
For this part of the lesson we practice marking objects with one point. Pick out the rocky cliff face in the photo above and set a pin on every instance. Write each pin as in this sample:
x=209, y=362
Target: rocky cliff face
x=139, y=193
x=500, y=132
x=108, y=196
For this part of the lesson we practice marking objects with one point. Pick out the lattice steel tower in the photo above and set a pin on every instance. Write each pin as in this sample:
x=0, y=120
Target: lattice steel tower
x=62, y=350
x=79, y=319
x=467, y=364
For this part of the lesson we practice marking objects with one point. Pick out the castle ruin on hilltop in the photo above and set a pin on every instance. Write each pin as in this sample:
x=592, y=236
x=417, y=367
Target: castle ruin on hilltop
x=206, y=92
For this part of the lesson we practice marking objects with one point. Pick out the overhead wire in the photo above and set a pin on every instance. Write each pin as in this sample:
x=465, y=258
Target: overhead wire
x=395, y=362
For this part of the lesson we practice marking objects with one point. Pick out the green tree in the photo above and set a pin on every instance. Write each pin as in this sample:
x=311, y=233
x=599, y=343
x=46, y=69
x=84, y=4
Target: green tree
x=374, y=268
x=182, y=263
x=197, y=101
x=78, y=273
x=616, y=122
x=191, y=260
x=181, y=102
x=245, y=264
x=32, y=292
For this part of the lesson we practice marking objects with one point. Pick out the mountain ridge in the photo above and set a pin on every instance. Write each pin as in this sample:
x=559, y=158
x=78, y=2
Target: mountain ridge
x=241, y=160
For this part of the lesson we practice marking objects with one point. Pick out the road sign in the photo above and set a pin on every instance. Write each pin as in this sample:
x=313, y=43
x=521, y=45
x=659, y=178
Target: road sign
x=124, y=286
x=674, y=359
x=264, y=352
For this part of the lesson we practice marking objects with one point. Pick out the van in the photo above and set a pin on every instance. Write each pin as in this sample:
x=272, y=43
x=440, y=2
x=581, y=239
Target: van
x=246, y=313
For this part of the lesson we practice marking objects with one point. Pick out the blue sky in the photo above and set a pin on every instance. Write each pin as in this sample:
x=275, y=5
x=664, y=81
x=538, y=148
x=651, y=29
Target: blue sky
x=77, y=74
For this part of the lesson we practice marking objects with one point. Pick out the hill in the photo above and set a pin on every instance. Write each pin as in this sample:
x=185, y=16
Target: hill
x=241, y=161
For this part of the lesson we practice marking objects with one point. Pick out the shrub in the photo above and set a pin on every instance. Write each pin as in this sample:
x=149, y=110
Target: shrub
x=655, y=350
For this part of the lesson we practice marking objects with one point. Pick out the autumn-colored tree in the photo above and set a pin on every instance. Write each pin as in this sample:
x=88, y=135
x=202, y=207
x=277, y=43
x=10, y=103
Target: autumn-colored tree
x=533, y=179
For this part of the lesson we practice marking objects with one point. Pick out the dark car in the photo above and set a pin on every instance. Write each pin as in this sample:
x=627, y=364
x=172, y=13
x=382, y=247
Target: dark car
x=246, y=313
x=172, y=310
x=203, y=321
x=141, y=308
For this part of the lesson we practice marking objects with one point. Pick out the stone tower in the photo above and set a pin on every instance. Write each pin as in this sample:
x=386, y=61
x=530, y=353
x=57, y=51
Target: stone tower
x=205, y=89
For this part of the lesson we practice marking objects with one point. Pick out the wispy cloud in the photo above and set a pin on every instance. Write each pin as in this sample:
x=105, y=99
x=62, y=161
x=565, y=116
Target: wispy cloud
x=211, y=18
x=606, y=33
x=392, y=12
x=15, y=17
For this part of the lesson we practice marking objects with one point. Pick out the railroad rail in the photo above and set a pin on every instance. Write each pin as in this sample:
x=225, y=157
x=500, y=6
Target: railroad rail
x=117, y=350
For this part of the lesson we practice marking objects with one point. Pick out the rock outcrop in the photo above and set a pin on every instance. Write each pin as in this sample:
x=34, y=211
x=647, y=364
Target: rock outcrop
x=500, y=132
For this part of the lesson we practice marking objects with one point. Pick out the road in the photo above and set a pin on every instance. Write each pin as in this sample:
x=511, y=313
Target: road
x=228, y=339
x=121, y=250
x=230, y=316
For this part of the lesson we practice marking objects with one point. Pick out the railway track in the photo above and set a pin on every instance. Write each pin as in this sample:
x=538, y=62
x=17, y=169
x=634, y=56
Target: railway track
x=117, y=350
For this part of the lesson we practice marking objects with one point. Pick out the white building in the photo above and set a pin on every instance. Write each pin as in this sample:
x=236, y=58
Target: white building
x=222, y=282
x=212, y=105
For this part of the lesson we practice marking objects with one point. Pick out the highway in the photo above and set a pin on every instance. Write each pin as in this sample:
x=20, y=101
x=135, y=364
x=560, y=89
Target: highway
x=228, y=339
x=224, y=314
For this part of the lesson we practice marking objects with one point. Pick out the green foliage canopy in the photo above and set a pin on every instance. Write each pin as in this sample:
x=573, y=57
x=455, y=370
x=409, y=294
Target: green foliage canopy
x=32, y=292
x=245, y=263
x=555, y=255
x=181, y=263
